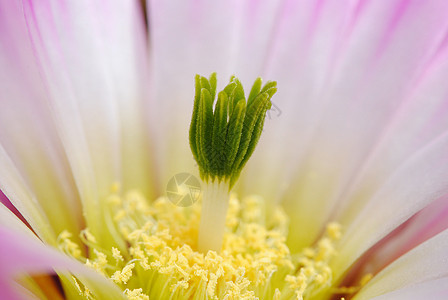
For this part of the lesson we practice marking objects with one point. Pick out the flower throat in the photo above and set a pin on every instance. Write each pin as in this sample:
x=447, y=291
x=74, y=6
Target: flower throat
x=222, y=247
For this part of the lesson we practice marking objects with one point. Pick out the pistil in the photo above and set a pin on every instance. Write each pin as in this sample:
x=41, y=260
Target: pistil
x=214, y=209
x=223, y=136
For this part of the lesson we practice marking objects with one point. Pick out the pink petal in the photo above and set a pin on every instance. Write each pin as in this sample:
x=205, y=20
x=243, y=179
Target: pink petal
x=419, y=181
x=435, y=289
x=371, y=79
x=28, y=139
x=16, y=188
x=430, y=221
x=420, y=119
x=5, y=201
x=9, y=220
x=87, y=65
x=21, y=255
x=423, y=268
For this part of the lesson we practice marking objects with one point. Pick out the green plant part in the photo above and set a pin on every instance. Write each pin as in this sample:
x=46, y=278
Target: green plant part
x=223, y=135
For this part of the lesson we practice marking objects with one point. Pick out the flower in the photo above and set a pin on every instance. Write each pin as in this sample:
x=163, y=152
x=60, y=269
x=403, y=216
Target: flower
x=345, y=196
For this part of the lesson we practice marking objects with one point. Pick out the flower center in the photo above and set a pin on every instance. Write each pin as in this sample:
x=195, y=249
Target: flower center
x=158, y=258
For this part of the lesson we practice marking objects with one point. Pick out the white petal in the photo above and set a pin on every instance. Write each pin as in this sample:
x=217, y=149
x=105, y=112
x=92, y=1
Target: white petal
x=428, y=262
x=351, y=100
x=90, y=58
x=422, y=179
x=10, y=221
x=22, y=255
x=434, y=289
x=428, y=222
x=28, y=140
x=25, y=201
x=416, y=123
x=186, y=38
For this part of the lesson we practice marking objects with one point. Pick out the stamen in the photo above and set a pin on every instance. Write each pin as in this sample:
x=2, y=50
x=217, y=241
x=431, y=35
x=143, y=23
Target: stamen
x=136, y=294
x=65, y=244
x=161, y=261
x=124, y=275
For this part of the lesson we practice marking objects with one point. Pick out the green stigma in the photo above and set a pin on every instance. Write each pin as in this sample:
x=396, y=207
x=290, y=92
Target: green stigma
x=223, y=138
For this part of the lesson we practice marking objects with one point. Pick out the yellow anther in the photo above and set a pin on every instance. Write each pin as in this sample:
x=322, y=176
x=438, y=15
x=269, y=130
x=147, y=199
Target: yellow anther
x=65, y=235
x=78, y=286
x=124, y=275
x=211, y=286
x=101, y=257
x=66, y=245
x=277, y=294
x=83, y=292
x=116, y=254
x=88, y=235
x=135, y=294
x=87, y=293
x=183, y=284
x=334, y=231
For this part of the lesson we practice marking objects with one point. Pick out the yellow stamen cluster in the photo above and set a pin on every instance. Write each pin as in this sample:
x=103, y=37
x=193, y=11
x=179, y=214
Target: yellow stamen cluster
x=66, y=245
x=83, y=291
x=135, y=294
x=158, y=258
